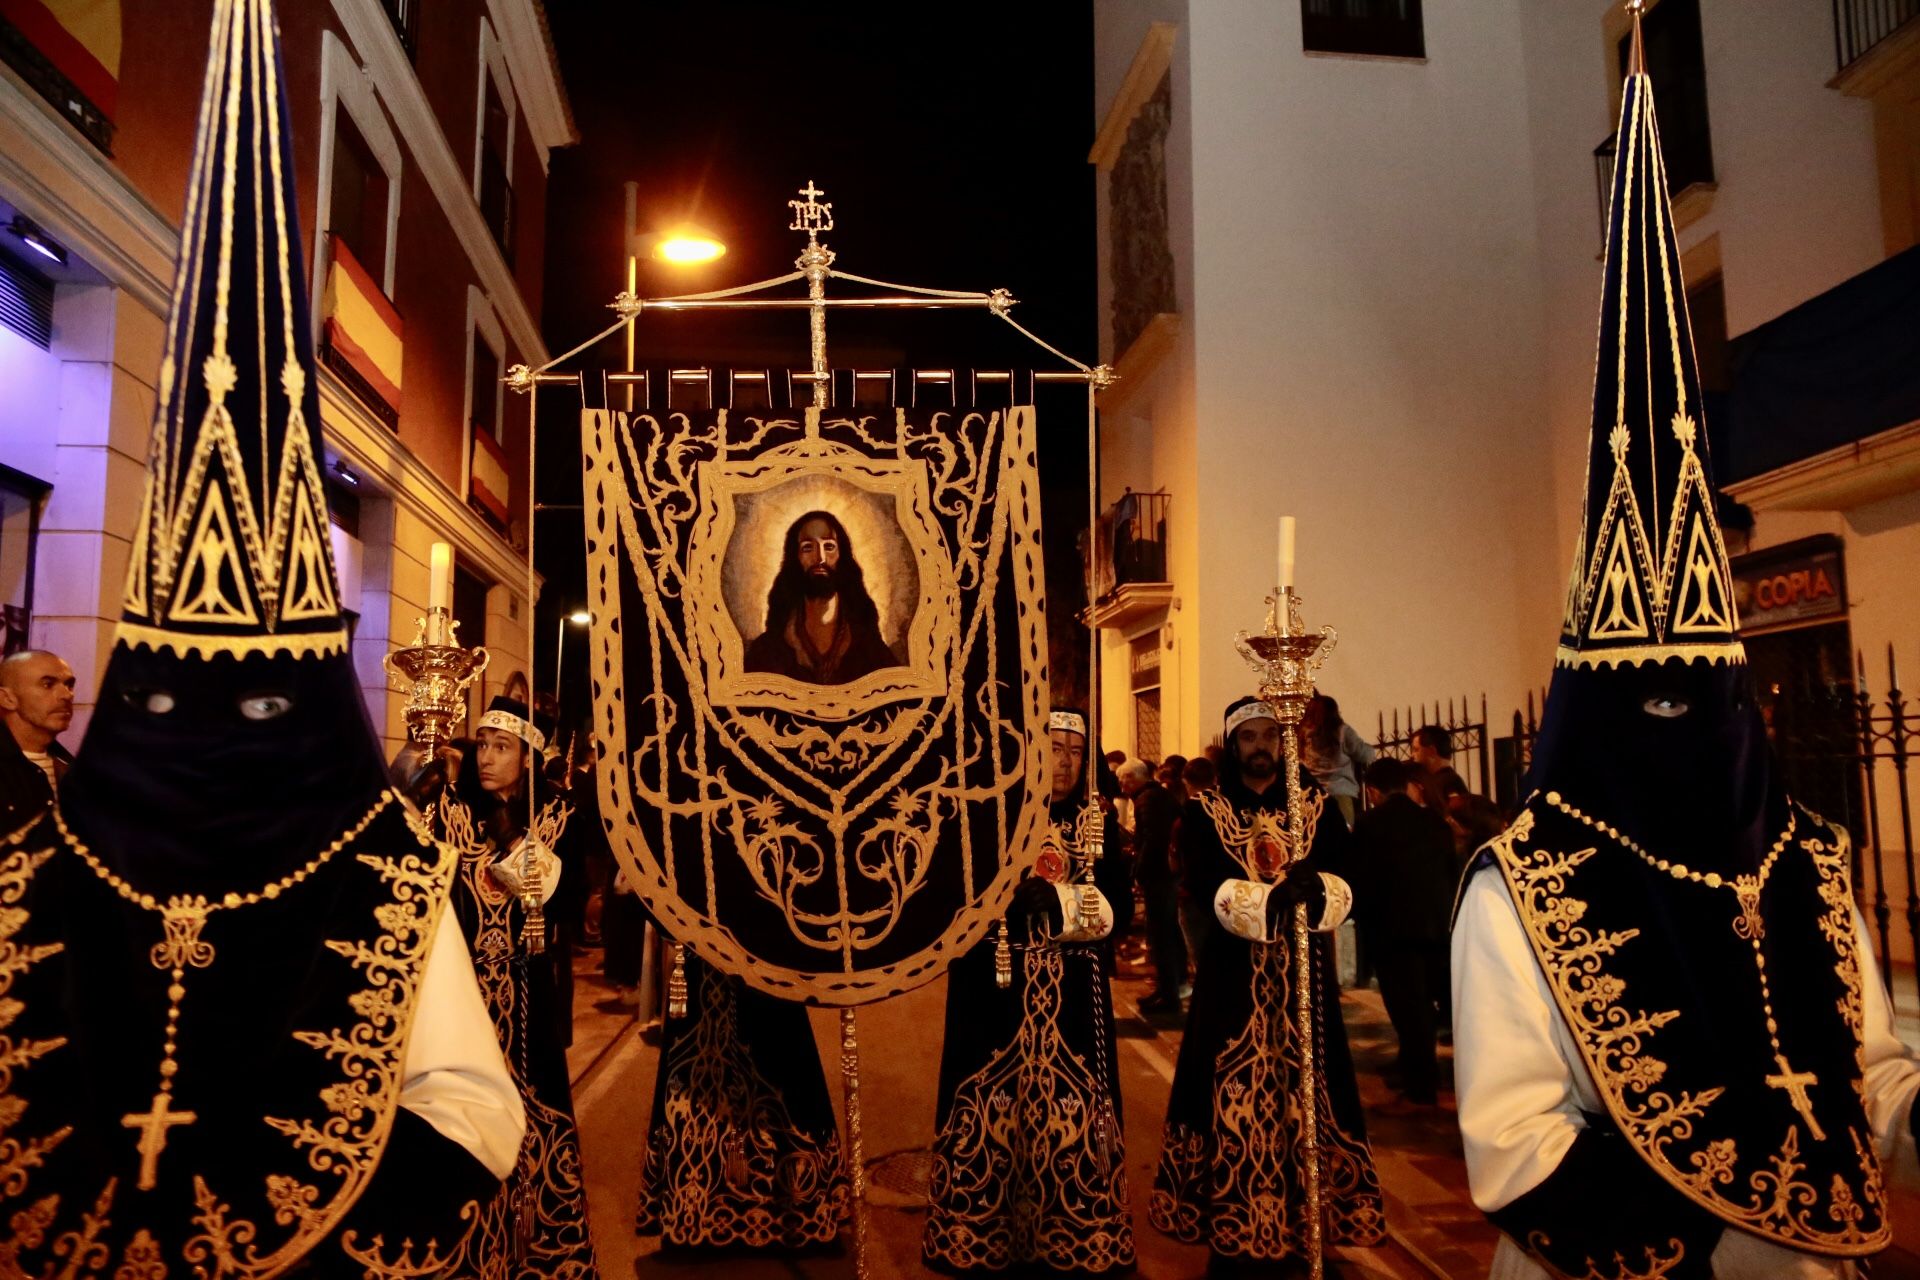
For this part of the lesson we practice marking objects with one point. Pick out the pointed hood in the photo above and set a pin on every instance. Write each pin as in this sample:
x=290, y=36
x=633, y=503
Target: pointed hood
x=230, y=738
x=1650, y=722
x=1650, y=576
x=231, y=553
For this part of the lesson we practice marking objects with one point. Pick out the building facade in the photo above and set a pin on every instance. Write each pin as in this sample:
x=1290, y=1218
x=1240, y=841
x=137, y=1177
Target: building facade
x=1320, y=284
x=1349, y=265
x=422, y=133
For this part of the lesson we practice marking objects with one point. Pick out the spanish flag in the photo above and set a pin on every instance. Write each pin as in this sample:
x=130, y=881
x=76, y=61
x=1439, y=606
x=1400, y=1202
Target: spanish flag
x=488, y=483
x=362, y=326
x=81, y=38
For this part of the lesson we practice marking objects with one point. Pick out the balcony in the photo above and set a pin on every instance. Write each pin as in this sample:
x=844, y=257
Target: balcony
x=1862, y=26
x=1130, y=561
x=1689, y=178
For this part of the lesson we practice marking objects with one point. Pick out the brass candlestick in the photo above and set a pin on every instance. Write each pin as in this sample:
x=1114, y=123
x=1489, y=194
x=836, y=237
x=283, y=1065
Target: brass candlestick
x=1284, y=660
x=438, y=673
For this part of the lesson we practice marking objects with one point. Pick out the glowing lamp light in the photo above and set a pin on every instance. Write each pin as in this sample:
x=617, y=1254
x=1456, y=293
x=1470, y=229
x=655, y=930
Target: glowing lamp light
x=37, y=240
x=579, y=617
x=687, y=248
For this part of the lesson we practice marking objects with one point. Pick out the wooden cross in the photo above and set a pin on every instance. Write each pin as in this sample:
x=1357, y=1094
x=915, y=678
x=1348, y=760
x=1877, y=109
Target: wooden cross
x=1795, y=1083
x=153, y=1125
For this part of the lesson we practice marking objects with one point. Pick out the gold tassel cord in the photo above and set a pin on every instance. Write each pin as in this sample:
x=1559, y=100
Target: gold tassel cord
x=677, y=983
x=856, y=1147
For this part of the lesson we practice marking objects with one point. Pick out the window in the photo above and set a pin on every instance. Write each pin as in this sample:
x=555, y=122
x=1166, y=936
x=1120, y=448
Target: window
x=1143, y=661
x=405, y=16
x=357, y=204
x=21, y=497
x=484, y=398
x=1676, y=60
x=1378, y=28
x=1707, y=311
x=493, y=141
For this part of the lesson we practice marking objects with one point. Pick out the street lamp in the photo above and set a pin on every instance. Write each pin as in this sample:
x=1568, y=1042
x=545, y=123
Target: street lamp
x=578, y=618
x=687, y=246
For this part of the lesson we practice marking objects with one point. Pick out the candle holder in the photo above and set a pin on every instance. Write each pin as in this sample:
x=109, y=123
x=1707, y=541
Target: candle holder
x=438, y=675
x=1285, y=658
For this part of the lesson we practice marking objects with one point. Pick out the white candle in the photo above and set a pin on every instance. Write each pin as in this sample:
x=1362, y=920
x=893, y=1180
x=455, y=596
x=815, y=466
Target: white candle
x=1286, y=552
x=439, y=591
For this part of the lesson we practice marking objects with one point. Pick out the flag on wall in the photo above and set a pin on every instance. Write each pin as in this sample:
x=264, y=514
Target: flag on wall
x=78, y=48
x=487, y=476
x=362, y=327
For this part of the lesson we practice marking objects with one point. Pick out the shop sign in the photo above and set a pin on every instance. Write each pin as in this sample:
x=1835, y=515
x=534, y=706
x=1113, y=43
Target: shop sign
x=1791, y=585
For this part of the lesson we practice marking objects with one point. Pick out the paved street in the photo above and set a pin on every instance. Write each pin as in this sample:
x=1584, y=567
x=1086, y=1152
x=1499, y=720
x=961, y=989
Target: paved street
x=1434, y=1230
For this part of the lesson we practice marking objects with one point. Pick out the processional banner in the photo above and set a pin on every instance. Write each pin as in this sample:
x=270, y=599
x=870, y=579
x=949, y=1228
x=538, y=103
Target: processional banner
x=819, y=682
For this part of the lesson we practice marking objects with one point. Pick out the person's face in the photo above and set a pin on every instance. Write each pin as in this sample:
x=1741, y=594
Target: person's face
x=1069, y=754
x=819, y=550
x=1257, y=745
x=1425, y=756
x=39, y=690
x=1167, y=777
x=501, y=759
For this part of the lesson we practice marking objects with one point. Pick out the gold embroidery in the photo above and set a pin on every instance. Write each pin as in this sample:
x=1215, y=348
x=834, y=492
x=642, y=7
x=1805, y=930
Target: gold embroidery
x=1657, y=1263
x=1241, y=1188
x=404, y=1264
x=1257, y=839
x=1613, y=1039
x=726, y=1164
x=809, y=810
x=538, y=1220
x=1029, y=1166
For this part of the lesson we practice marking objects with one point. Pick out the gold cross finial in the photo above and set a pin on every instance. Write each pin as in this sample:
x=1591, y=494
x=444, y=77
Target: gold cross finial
x=1795, y=1083
x=153, y=1125
x=809, y=214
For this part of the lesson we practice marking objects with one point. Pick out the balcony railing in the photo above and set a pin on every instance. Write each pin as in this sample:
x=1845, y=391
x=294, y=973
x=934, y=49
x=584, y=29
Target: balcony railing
x=1861, y=25
x=1132, y=543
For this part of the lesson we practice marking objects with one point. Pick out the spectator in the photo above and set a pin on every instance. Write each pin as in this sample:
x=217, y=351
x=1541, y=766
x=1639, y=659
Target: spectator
x=1171, y=775
x=1441, y=787
x=36, y=701
x=1154, y=813
x=1403, y=879
x=1195, y=917
x=1335, y=753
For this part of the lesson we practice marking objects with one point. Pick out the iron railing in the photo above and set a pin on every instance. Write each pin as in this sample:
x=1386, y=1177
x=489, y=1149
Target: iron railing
x=405, y=16
x=1132, y=543
x=1472, y=748
x=1859, y=26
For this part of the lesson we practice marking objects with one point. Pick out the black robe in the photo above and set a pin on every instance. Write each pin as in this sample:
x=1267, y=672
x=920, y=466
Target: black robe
x=1029, y=1165
x=1231, y=1172
x=536, y=1227
x=742, y=1148
x=290, y=1044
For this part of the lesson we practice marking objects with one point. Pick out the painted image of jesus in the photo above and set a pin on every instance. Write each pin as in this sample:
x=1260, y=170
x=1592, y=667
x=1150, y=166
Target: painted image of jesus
x=822, y=625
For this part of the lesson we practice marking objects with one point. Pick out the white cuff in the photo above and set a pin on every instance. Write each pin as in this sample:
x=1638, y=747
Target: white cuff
x=1241, y=908
x=1085, y=913
x=1339, y=903
x=506, y=871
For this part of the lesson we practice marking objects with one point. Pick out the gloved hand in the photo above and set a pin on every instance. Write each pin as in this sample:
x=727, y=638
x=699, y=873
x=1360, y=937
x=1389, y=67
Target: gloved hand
x=1035, y=910
x=1300, y=884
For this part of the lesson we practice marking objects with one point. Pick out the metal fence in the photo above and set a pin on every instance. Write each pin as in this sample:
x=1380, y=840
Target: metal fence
x=1844, y=749
x=1859, y=25
x=1472, y=748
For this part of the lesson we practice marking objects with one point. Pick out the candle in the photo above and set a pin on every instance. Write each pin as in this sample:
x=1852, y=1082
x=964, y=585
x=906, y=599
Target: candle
x=439, y=592
x=1286, y=552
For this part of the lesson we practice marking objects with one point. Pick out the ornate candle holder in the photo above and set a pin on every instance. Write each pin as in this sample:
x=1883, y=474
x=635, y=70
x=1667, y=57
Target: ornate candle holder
x=1285, y=659
x=437, y=676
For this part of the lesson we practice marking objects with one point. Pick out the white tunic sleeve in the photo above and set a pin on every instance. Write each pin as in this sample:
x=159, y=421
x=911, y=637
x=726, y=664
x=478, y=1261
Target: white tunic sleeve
x=1520, y=1096
x=456, y=1079
x=1893, y=1077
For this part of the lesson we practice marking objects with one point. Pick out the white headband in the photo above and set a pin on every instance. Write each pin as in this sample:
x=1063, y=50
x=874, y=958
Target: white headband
x=1071, y=721
x=1249, y=711
x=507, y=722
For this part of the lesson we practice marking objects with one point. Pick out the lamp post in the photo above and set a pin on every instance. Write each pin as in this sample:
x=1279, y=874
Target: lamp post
x=686, y=246
x=579, y=618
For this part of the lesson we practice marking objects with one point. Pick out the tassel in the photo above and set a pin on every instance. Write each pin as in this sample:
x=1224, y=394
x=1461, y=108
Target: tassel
x=533, y=929
x=521, y=1214
x=1003, y=960
x=677, y=983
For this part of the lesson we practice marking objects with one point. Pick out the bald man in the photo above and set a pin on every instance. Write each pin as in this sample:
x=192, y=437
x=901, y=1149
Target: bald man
x=36, y=702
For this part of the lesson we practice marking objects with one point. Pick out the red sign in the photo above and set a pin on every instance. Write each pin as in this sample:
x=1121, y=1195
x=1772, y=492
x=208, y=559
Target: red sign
x=1791, y=585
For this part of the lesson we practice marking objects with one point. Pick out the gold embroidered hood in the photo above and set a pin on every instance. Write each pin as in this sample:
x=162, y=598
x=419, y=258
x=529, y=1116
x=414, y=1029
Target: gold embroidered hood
x=1650, y=574
x=231, y=553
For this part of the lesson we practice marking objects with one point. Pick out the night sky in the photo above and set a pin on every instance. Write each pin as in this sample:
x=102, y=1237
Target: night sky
x=953, y=149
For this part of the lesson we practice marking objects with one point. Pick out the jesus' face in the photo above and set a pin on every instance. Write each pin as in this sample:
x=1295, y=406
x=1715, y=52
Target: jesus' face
x=819, y=553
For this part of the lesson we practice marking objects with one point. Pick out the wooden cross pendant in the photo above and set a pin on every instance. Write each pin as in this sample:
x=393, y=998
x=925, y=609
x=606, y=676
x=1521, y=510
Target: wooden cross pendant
x=1795, y=1083
x=153, y=1125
